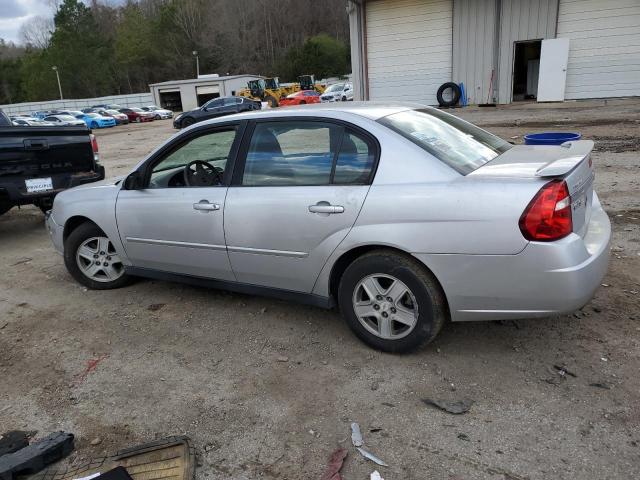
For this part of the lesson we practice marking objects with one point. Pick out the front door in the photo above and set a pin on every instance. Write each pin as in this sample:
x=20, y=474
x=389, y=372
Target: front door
x=295, y=199
x=175, y=222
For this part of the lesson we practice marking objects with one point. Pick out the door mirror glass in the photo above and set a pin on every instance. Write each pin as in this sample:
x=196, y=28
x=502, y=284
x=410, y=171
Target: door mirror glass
x=133, y=181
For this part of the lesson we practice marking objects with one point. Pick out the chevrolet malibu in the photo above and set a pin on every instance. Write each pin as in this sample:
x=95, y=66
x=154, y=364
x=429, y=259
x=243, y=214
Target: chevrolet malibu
x=402, y=216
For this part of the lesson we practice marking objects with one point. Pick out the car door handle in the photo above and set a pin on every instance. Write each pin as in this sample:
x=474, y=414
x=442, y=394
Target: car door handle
x=326, y=207
x=205, y=206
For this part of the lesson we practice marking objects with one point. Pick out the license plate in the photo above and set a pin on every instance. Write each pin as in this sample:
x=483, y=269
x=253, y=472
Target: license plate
x=36, y=185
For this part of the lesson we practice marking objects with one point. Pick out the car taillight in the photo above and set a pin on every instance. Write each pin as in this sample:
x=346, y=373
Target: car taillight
x=94, y=147
x=548, y=215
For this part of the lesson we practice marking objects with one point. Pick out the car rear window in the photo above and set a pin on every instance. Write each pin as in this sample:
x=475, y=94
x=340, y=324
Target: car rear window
x=459, y=144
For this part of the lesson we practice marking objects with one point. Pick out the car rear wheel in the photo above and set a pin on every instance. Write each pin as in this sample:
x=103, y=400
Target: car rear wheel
x=91, y=258
x=391, y=301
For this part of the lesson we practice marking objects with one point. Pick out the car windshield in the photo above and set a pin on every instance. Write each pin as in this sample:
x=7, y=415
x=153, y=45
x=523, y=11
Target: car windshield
x=92, y=115
x=459, y=144
x=336, y=88
x=139, y=110
x=66, y=118
x=112, y=112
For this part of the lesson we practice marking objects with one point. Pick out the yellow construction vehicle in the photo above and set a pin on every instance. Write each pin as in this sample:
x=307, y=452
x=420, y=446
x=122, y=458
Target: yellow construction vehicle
x=266, y=90
x=308, y=82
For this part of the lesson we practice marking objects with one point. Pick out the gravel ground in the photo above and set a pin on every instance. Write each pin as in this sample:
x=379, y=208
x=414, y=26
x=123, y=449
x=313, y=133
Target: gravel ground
x=268, y=389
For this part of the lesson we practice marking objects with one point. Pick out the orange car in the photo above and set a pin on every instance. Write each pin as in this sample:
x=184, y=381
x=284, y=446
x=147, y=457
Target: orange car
x=300, y=98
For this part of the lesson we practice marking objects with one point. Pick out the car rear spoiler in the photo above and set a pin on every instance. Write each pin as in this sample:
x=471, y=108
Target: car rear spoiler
x=578, y=150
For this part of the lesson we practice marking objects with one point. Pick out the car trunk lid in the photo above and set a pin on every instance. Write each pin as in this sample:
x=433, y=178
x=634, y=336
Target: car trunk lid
x=570, y=161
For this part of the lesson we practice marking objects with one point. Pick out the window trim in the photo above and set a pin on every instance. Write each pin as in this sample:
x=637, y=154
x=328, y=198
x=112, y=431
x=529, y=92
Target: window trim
x=146, y=168
x=241, y=158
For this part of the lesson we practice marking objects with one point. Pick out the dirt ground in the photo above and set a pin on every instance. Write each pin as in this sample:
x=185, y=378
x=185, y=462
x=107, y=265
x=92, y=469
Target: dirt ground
x=158, y=359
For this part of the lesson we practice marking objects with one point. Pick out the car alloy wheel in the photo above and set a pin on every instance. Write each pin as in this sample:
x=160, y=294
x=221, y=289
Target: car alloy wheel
x=98, y=260
x=385, y=306
x=391, y=301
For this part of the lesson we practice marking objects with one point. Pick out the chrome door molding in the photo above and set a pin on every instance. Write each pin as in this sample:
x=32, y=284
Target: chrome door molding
x=151, y=241
x=263, y=251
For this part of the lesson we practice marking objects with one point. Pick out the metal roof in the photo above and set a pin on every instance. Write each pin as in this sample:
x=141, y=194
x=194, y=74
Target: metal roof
x=202, y=80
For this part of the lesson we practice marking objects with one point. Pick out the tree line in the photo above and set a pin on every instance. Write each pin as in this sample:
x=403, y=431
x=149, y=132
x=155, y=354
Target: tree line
x=104, y=49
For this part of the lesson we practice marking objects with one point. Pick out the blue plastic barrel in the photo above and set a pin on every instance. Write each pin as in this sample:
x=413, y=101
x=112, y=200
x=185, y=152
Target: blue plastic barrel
x=550, y=138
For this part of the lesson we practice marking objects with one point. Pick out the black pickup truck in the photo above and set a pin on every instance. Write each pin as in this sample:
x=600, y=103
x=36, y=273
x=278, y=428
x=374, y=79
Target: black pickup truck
x=36, y=163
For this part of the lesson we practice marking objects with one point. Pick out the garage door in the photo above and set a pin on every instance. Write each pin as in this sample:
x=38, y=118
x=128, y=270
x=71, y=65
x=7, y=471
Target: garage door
x=409, y=48
x=604, y=48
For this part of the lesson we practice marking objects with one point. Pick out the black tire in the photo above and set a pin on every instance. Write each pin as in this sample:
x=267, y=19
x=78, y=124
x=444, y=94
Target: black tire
x=94, y=125
x=272, y=101
x=430, y=299
x=302, y=102
x=456, y=93
x=344, y=98
x=187, y=122
x=71, y=245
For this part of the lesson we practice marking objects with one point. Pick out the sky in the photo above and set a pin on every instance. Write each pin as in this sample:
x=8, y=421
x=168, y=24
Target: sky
x=13, y=13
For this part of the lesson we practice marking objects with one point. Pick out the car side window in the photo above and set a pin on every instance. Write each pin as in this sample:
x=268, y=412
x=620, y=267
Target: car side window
x=355, y=160
x=291, y=153
x=213, y=148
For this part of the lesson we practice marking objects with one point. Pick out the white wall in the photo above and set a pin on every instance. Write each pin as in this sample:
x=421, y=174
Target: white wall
x=133, y=100
x=604, y=47
x=521, y=20
x=408, y=48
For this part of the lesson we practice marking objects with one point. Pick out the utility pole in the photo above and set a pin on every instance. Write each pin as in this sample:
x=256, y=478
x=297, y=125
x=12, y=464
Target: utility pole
x=55, y=69
x=195, y=54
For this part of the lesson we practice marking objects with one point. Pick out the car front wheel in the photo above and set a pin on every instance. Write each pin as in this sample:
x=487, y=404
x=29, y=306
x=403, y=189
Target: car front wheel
x=92, y=260
x=391, y=301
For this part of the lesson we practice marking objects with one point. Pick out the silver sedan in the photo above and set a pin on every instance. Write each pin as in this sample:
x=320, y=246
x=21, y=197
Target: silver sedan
x=402, y=216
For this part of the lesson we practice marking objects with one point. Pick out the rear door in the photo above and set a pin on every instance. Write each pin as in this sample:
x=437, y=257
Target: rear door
x=297, y=192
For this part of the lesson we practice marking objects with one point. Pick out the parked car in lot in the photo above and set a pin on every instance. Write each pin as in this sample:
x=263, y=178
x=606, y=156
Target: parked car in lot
x=30, y=122
x=217, y=107
x=338, y=92
x=137, y=115
x=107, y=106
x=64, y=120
x=44, y=113
x=120, y=118
x=159, y=113
x=410, y=217
x=300, y=98
x=95, y=120
x=37, y=163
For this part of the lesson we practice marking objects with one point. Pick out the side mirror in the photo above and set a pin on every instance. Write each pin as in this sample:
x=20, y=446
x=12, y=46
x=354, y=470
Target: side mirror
x=133, y=181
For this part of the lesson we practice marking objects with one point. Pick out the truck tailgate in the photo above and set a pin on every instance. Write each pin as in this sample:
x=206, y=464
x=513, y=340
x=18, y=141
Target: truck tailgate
x=40, y=151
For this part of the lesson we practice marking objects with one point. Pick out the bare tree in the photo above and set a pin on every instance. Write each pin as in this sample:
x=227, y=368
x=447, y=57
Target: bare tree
x=36, y=31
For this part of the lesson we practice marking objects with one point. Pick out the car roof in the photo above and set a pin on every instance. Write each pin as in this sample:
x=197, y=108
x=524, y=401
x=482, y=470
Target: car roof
x=368, y=109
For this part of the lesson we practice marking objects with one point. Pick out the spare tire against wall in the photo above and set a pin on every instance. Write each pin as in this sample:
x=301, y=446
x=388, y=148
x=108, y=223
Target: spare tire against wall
x=452, y=91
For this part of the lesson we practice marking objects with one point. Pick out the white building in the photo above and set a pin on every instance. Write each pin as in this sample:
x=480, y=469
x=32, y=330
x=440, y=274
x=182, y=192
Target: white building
x=502, y=50
x=183, y=95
